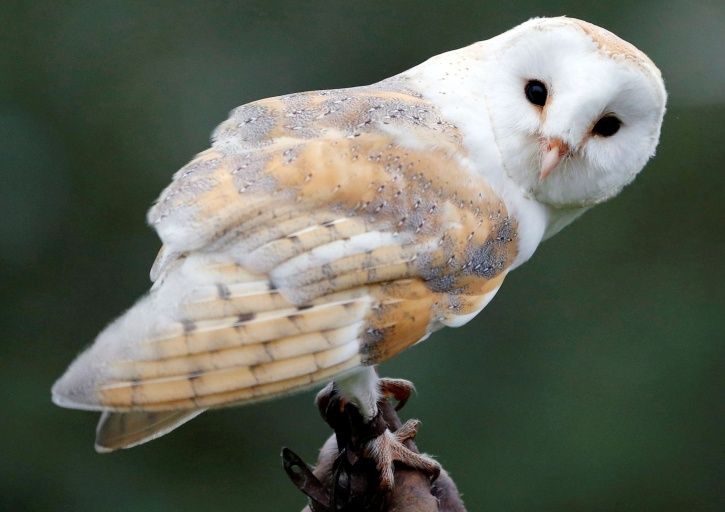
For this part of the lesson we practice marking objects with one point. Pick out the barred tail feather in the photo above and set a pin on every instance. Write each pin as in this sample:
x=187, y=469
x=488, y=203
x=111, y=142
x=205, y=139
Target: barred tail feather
x=129, y=429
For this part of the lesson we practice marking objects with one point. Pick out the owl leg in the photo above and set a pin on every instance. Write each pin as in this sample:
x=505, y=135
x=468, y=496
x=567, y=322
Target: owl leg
x=364, y=389
x=361, y=389
x=357, y=396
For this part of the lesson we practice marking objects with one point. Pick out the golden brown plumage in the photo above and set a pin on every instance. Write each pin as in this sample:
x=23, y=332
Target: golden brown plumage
x=317, y=242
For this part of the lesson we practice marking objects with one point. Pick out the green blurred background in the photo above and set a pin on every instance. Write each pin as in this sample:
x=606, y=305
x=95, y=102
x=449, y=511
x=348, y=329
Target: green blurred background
x=592, y=383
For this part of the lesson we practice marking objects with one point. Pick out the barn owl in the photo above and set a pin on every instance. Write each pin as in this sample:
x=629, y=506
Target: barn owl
x=324, y=232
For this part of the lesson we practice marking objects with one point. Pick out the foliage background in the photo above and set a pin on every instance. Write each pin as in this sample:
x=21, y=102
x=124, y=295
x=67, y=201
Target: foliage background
x=592, y=382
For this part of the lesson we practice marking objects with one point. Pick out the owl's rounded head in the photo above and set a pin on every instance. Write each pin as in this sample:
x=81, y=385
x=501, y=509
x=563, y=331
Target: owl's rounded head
x=576, y=111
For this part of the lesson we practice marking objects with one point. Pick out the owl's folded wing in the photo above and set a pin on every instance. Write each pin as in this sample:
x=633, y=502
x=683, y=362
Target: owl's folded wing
x=322, y=254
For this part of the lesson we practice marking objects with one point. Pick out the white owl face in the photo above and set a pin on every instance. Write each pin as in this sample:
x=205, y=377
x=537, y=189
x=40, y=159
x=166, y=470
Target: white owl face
x=576, y=111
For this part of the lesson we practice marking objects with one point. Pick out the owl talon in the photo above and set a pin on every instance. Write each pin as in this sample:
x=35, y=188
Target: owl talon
x=399, y=389
x=389, y=447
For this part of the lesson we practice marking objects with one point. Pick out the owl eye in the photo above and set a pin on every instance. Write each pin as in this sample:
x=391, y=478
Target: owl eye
x=607, y=126
x=536, y=92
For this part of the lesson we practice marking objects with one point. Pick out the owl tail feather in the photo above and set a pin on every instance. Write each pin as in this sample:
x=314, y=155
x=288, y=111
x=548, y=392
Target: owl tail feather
x=129, y=429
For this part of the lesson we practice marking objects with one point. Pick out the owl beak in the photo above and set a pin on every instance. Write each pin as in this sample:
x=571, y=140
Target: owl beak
x=554, y=150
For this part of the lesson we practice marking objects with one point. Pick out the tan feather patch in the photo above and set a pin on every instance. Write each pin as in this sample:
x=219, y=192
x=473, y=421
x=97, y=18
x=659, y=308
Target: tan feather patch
x=309, y=241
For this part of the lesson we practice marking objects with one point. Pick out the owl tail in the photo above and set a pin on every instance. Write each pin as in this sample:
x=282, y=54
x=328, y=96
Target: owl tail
x=128, y=429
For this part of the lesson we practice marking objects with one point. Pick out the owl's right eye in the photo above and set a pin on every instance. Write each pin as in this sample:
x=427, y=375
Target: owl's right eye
x=536, y=92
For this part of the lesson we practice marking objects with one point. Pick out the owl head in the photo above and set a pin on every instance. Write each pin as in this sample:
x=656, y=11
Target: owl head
x=575, y=110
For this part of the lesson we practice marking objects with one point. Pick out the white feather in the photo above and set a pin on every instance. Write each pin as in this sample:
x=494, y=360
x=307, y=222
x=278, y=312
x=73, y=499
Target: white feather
x=332, y=251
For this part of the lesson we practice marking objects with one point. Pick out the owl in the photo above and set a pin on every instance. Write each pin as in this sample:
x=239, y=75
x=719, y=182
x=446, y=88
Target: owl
x=325, y=232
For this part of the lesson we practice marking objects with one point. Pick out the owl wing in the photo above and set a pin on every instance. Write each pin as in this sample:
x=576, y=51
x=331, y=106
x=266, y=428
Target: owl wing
x=293, y=252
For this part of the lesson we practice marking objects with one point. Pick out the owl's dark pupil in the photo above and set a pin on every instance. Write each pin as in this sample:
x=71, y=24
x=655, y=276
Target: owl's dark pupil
x=536, y=92
x=607, y=126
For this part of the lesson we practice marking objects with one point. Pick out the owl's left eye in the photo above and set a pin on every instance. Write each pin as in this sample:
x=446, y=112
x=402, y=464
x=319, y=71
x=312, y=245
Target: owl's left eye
x=607, y=126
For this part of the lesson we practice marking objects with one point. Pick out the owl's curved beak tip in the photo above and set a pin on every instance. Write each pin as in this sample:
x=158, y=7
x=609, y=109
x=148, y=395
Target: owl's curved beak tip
x=554, y=151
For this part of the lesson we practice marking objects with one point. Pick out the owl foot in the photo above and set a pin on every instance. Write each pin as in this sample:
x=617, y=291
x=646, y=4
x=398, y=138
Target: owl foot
x=399, y=390
x=371, y=464
x=381, y=440
x=389, y=447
